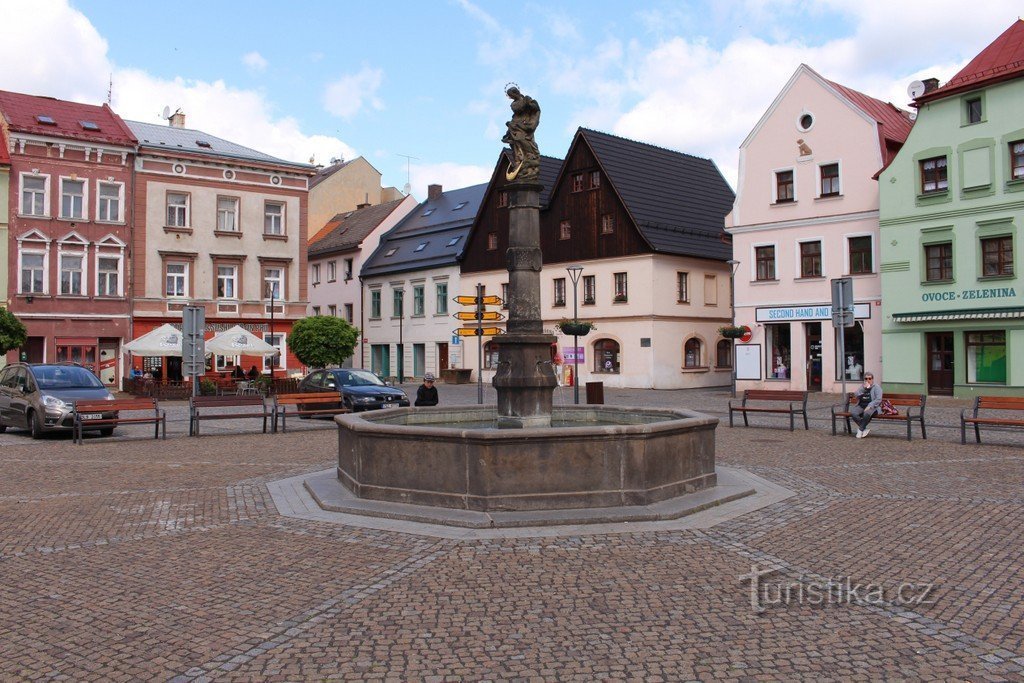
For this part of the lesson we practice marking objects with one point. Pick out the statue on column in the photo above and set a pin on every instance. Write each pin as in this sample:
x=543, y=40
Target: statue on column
x=525, y=166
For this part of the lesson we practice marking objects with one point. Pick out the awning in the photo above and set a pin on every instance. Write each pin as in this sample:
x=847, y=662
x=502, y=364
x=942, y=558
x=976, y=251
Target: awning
x=239, y=341
x=962, y=314
x=163, y=341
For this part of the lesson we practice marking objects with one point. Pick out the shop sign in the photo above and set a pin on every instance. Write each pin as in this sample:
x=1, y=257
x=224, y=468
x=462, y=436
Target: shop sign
x=788, y=313
x=570, y=354
x=971, y=294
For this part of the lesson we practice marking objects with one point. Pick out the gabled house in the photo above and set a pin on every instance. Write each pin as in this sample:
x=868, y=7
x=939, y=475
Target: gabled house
x=806, y=212
x=646, y=225
x=408, y=284
x=69, y=230
x=341, y=187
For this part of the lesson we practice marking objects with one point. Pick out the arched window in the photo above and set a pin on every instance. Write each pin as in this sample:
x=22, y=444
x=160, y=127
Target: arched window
x=723, y=355
x=606, y=356
x=691, y=353
x=491, y=355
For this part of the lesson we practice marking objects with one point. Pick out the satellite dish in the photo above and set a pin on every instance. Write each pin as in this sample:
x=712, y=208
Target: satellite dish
x=915, y=89
x=166, y=113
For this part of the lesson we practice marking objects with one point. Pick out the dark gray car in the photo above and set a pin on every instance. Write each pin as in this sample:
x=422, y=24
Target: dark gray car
x=40, y=397
x=360, y=389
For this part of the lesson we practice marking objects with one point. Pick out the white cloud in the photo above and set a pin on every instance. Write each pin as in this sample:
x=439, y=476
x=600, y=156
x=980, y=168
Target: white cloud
x=450, y=176
x=346, y=96
x=476, y=12
x=255, y=61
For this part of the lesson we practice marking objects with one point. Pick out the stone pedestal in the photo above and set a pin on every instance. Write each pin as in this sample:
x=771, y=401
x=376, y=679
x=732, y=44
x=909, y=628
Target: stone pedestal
x=525, y=379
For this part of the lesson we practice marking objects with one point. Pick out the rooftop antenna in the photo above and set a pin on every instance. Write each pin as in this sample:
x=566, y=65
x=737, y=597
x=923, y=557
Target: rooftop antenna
x=110, y=90
x=408, y=184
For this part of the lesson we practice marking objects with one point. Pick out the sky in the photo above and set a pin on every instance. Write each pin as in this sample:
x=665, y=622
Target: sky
x=417, y=88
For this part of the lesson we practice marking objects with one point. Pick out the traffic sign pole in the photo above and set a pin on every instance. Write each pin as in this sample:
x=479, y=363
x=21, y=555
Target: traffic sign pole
x=479, y=344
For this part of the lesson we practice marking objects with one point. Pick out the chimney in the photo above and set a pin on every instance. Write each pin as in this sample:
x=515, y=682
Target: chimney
x=363, y=205
x=433, y=191
x=930, y=84
x=177, y=119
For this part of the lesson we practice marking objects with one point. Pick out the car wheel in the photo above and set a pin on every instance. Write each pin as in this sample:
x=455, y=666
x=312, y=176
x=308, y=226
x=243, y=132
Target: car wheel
x=107, y=431
x=3, y=428
x=35, y=423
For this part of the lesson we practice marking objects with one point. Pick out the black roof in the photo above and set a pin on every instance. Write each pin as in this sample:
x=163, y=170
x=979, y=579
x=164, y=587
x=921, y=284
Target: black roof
x=435, y=224
x=549, y=168
x=678, y=201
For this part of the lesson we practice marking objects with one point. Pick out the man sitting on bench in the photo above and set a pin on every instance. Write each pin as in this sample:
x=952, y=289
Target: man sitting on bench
x=868, y=398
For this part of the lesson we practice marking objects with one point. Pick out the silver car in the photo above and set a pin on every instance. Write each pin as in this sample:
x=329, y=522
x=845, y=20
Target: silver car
x=40, y=397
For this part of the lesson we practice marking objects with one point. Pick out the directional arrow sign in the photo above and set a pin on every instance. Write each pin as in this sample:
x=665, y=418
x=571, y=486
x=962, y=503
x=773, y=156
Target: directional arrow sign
x=472, y=331
x=489, y=300
x=484, y=315
x=466, y=300
x=492, y=300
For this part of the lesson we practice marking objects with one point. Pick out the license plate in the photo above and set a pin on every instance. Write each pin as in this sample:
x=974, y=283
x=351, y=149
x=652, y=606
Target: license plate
x=92, y=416
x=388, y=405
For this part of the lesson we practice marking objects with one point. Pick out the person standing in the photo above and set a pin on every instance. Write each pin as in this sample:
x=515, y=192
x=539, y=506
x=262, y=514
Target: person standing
x=426, y=394
x=868, y=398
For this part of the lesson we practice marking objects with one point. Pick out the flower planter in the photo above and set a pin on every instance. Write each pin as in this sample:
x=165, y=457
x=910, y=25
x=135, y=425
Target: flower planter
x=575, y=329
x=732, y=332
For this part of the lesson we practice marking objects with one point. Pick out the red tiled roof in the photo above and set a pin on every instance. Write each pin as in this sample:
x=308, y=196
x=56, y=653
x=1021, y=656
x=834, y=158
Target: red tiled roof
x=894, y=124
x=21, y=112
x=5, y=158
x=1002, y=60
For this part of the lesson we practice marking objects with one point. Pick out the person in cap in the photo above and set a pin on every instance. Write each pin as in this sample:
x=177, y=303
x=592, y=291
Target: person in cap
x=426, y=394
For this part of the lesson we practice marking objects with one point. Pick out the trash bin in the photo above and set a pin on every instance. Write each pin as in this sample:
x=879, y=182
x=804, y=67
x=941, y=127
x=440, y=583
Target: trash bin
x=595, y=393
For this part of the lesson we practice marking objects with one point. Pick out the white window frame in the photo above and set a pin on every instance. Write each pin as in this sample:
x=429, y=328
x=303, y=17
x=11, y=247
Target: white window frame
x=100, y=199
x=46, y=195
x=187, y=207
x=817, y=178
x=438, y=298
x=332, y=310
x=846, y=253
x=282, y=347
x=350, y=314
x=85, y=199
x=280, y=279
x=332, y=271
x=421, y=310
x=349, y=266
x=315, y=275
x=234, y=282
x=34, y=242
x=753, y=261
x=798, y=262
x=184, y=275
x=120, y=274
x=73, y=245
x=235, y=213
x=775, y=184
x=268, y=216
x=220, y=362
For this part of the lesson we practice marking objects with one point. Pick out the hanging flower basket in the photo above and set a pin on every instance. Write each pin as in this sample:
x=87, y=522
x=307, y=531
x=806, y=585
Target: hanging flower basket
x=730, y=332
x=576, y=328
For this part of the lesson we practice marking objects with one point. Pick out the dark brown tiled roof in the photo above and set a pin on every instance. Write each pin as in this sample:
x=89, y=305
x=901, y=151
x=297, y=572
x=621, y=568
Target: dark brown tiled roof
x=352, y=227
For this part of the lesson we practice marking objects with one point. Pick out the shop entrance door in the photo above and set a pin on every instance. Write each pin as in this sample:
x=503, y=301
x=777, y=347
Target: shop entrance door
x=813, y=346
x=79, y=351
x=108, y=361
x=940, y=363
x=442, y=357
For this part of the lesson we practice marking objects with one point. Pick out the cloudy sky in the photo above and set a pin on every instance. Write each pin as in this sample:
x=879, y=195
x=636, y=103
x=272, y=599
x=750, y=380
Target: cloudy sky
x=425, y=79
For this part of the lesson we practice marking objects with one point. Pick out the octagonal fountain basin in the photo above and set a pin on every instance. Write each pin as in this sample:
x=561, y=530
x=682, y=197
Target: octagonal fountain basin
x=591, y=457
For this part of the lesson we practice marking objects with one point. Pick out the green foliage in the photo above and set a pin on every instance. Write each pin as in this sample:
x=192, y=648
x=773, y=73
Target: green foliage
x=322, y=340
x=12, y=332
x=207, y=387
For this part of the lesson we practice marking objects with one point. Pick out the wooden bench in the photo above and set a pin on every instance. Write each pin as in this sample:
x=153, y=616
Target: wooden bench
x=796, y=400
x=1004, y=403
x=106, y=424
x=307, y=405
x=256, y=405
x=911, y=407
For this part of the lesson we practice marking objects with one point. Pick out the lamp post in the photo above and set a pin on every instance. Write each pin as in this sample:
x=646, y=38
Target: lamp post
x=574, y=275
x=401, y=341
x=272, y=287
x=733, y=266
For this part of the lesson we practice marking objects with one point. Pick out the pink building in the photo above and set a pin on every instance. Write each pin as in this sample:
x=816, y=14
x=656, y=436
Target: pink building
x=806, y=212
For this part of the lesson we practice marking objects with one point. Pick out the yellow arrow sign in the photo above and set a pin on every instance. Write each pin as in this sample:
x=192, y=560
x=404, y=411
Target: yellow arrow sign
x=472, y=331
x=489, y=300
x=466, y=300
x=492, y=300
x=484, y=315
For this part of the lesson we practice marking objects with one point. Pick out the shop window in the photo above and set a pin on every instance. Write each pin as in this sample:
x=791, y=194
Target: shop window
x=777, y=346
x=691, y=353
x=723, y=353
x=853, y=365
x=606, y=356
x=986, y=357
x=491, y=355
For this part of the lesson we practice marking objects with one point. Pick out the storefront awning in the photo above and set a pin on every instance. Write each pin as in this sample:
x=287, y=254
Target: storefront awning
x=962, y=314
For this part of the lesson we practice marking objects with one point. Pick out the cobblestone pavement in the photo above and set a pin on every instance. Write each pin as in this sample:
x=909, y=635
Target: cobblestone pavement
x=126, y=559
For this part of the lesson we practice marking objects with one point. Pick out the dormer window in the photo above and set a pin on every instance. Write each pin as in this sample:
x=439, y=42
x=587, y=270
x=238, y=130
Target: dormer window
x=46, y=120
x=460, y=205
x=204, y=143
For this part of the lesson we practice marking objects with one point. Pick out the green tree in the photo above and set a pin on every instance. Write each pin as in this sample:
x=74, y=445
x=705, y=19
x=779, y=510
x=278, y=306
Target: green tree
x=322, y=340
x=12, y=332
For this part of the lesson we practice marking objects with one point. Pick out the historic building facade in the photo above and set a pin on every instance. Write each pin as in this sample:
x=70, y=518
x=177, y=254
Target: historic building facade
x=952, y=206
x=806, y=212
x=5, y=211
x=69, y=229
x=341, y=187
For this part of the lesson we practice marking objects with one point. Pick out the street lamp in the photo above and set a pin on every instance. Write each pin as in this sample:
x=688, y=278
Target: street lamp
x=401, y=343
x=574, y=275
x=733, y=267
x=272, y=288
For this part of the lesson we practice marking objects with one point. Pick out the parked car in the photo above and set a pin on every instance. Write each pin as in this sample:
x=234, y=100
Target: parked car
x=40, y=397
x=360, y=389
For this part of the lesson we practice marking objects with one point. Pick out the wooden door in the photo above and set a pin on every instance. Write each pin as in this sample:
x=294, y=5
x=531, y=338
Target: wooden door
x=442, y=357
x=940, y=363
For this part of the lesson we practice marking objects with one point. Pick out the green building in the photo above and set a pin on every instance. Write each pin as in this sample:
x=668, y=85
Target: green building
x=952, y=207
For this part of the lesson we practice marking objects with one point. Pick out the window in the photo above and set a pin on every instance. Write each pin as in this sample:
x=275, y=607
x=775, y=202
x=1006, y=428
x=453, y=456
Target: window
x=33, y=195
x=332, y=271
x=316, y=310
x=492, y=241
x=108, y=270
x=417, y=300
x=723, y=354
x=589, y=289
x=375, y=304
x=227, y=214
x=491, y=355
x=71, y=275
x=273, y=218
x=273, y=283
x=607, y=224
x=460, y=205
x=442, y=298
x=502, y=199
x=348, y=269
x=222, y=363
x=564, y=230
x=397, y=303
x=939, y=262
x=177, y=210
x=332, y=310
x=72, y=198
x=683, y=288
x=420, y=247
x=933, y=175
x=765, y=258
x=453, y=241
x=577, y=182
x=606, y=356
x=349, y=317
x=316, y=273
x=595, y=179
x=176, y=278
x=710, y=290
x=691, y=353
x=1017, y=160
x=504, y=296
x=973, y=110
x=621, y=287
x=861, y=255
x=810, y=259
x=227, y=282
x=986, y=357
x=853, y=345
x=559, y=291
x=108, y=208
x=783, y=186
x=33, y=269
x=997, y=256
x=830, y=180
x=391, y=252
x=777, y=346
x=281, y=359
x=428, y=212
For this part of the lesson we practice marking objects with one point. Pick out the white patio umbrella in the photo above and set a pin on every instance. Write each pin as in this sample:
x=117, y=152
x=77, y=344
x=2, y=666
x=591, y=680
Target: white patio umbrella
x=163, y=341
x=239, y=341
